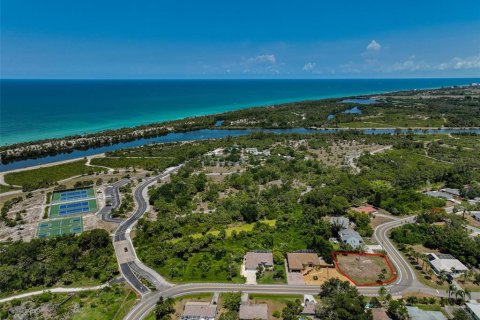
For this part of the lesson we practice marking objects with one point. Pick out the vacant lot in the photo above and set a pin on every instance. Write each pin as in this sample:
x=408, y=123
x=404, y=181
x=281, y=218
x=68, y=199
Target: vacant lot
x=365, y=269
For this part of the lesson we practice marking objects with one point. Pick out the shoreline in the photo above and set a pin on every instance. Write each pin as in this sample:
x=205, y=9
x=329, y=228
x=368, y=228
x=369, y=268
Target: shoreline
x=232, y=107
x=314, y=130
x=54, y=151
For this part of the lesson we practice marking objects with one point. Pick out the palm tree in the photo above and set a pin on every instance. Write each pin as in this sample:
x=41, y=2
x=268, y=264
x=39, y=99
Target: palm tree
x=442, y=276
x=382, y=292
x=467, y=293
x=451, y=290
x=460, y=293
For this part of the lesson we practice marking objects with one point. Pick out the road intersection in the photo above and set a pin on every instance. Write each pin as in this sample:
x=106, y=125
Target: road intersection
x=133, y=270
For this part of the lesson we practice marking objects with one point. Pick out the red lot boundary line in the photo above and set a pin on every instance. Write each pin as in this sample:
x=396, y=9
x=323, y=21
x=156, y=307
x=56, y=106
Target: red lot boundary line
x=377, y=283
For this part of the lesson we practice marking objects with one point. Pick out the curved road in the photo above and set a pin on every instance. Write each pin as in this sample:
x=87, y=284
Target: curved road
x=406, y=281
x=132, y=269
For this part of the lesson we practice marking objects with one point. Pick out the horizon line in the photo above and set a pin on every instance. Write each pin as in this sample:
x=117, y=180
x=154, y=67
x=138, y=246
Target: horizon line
x=180, y=78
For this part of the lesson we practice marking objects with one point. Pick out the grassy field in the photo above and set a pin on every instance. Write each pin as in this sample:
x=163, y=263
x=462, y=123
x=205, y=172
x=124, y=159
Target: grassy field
x=244, y=227
x=37, y=177
x=145, y=163
x=4, y=188
x=109, y=303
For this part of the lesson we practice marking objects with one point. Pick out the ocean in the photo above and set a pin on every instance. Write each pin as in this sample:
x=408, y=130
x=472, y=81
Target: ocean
x=40, y=109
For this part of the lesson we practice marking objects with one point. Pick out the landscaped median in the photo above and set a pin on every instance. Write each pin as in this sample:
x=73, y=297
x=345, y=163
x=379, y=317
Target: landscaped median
x=365, y=269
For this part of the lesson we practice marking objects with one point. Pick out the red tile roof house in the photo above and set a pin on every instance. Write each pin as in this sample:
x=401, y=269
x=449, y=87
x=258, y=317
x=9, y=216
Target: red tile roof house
x=368, y=209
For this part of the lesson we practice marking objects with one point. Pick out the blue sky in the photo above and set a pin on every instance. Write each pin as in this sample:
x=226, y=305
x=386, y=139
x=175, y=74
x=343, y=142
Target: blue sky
x=241, y=39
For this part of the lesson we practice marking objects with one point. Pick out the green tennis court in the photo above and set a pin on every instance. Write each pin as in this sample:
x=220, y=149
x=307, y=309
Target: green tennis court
x=73, y=208
x=72, y=195
x=58, y=227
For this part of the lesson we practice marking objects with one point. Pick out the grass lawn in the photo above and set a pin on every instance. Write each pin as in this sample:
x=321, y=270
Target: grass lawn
x=4, y=188
x=36, y=177
x=267, y=277
x=244, y=227
x=145, y=163
x=274, y=302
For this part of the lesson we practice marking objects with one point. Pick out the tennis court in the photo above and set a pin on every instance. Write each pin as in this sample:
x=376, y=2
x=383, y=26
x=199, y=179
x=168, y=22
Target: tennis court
x=72, y=195
x=71, y=208
x=58, y=227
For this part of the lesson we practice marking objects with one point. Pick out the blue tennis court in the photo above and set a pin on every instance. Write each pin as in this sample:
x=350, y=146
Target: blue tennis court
x=73, y=195
x=73, y=208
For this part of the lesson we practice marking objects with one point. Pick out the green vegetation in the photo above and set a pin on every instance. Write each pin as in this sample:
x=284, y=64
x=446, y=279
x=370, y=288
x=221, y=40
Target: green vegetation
x=210, y=246
x=47, y=176
x=340, y=300
x=109, y=303
x=4, y=188
x=67, y=260
x=449, y=237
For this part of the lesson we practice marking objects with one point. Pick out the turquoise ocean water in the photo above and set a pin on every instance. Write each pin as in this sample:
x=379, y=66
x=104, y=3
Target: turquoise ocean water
x=38, y=109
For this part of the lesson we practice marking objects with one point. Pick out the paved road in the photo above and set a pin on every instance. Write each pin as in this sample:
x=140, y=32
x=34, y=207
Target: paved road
x=114, y=194
x=406, y=281
x=131, y=267
x=55, y=290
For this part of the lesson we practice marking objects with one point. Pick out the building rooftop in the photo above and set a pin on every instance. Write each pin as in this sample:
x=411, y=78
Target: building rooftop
x=474, y=308
x=340, y=221
x=309, y=308
x=439, y=194
x=296, y=260
x=364, y=209
x=194, y=309
x=446, y=262
x=455, y=192
x=349, y=233
x=255, y=258
x=253, y=311
x=418, y=314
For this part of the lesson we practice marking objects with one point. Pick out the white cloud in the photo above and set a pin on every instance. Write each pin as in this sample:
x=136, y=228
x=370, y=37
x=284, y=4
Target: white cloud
x=265, y=58
x=309, y=66
x=374, y=46
x=457, y=63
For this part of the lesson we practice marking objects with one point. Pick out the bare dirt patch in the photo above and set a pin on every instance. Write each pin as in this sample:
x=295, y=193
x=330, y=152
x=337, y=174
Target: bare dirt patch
x=316, y=277
x=364, y=269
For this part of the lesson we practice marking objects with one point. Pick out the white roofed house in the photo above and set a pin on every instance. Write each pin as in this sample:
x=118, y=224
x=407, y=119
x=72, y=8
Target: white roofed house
x=341, y=222
x=194, y=310
x=351, y=237
x=446, y=263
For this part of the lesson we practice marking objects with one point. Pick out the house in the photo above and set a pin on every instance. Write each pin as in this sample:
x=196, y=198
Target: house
x=368, y=209
x=451, y=191
x=476, y=215
x=342, y=222
x=439, y=194
x=298, y=261
x=474, y=201
x=253, y=311
x=351, y=237
x=379, y=314
x=447, y=263
x=474, y=309
x=418, y=314
x=308, y=308
x=251, y=151
x=253, y=259
x=194, y=310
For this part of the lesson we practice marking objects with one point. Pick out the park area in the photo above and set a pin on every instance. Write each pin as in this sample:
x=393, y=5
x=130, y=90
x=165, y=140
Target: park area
x=58, y=227
x=365, y=269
